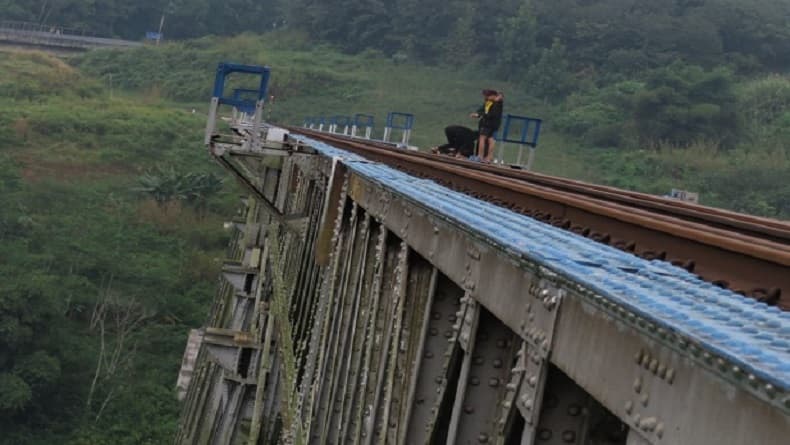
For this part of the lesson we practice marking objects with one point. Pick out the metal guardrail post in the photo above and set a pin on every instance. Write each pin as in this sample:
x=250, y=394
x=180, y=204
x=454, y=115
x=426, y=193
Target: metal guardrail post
x=363, y=121
x=527, y=137
x=399, y=121
x=339, y=124
x=239, y=104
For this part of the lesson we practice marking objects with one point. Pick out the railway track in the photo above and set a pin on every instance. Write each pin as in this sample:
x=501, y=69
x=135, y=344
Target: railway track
x=747, y=254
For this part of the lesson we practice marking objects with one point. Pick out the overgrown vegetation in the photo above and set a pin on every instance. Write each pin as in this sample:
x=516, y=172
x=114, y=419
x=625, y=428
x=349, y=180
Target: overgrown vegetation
x=100, y=285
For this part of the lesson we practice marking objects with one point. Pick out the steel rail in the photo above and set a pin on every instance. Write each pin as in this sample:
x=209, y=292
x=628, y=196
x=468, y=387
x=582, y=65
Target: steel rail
x=766, y=228
x=757, y=266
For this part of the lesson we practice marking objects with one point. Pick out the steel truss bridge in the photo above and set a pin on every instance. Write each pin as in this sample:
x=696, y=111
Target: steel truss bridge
x=372, y=298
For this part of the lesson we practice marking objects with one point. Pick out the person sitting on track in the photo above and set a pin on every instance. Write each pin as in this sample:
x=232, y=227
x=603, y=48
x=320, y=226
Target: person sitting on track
x=460, y=142
x=490, y=118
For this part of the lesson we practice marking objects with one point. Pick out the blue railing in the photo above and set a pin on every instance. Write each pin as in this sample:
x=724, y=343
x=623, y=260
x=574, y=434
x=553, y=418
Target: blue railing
x=529, y=130
x=224, y=70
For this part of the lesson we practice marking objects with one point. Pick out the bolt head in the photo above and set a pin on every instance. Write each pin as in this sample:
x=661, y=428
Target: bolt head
x=569, y=436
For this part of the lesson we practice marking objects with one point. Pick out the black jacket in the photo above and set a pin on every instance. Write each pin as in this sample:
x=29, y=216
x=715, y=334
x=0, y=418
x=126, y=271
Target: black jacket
x=492, y=119
x=460, y=140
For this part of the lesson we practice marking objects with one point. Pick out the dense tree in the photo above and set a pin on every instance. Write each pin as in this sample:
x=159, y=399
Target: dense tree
x=682, y=104
x=610, y=35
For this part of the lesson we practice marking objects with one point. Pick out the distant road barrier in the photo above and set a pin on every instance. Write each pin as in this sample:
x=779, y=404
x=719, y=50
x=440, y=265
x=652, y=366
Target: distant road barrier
x=57, y=37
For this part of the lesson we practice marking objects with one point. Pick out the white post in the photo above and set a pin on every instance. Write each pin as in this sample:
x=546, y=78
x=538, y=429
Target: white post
x=256, y=124
x=499, y=153
x=161, y=26
x=212, y=117
x=531, y=158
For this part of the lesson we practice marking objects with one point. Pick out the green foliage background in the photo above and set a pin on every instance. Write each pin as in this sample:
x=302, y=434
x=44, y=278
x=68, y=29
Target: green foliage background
x=73, y=230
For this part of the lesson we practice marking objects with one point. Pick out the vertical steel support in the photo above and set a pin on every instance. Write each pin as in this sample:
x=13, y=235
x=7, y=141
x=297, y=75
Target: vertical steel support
x=360, y=407
x=469, y=324
x=438, y=357
x=348, y=372
x=406, y=137
x=531, y=392
x=256, y=125
x=338, y=322
x=418, y=361
x=564, y=414
x=388, y=424
x=331, y=212
x=531, y=158
x=389, y=305
x=211, y=125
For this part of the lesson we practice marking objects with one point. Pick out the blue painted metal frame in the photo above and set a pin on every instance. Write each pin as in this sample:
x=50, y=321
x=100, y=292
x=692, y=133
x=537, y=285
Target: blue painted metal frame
x=364, y=121
x=524, y=137
x=225, y=69
x=406, y=120
x=340, y=121
x=246, y=106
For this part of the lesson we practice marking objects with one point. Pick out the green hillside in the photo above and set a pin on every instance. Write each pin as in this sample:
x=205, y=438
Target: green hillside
x=679, y=126
x=101, y=281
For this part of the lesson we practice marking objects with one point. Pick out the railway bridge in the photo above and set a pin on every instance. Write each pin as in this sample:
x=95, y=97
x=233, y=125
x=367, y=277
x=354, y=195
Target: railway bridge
x=377, y=295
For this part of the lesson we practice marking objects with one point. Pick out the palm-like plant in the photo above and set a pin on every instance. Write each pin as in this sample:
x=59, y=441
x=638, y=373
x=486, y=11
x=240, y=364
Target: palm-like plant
x=166, y=185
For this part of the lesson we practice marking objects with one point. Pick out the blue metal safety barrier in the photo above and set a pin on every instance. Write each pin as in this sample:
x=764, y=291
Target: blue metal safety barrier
x=238, y=98
x=340, y=124
x=365, y=121
x=242, y=104
x=352, y=125
x=522, y=131
x=315, y=123
x=226, y=69
x=399, y=121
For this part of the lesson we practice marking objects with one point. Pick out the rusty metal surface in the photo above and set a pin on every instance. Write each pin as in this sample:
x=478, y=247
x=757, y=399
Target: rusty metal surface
x=747, y=254
x=766, y=228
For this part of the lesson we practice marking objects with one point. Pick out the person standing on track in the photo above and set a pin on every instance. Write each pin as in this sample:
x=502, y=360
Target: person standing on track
x=490, y=118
